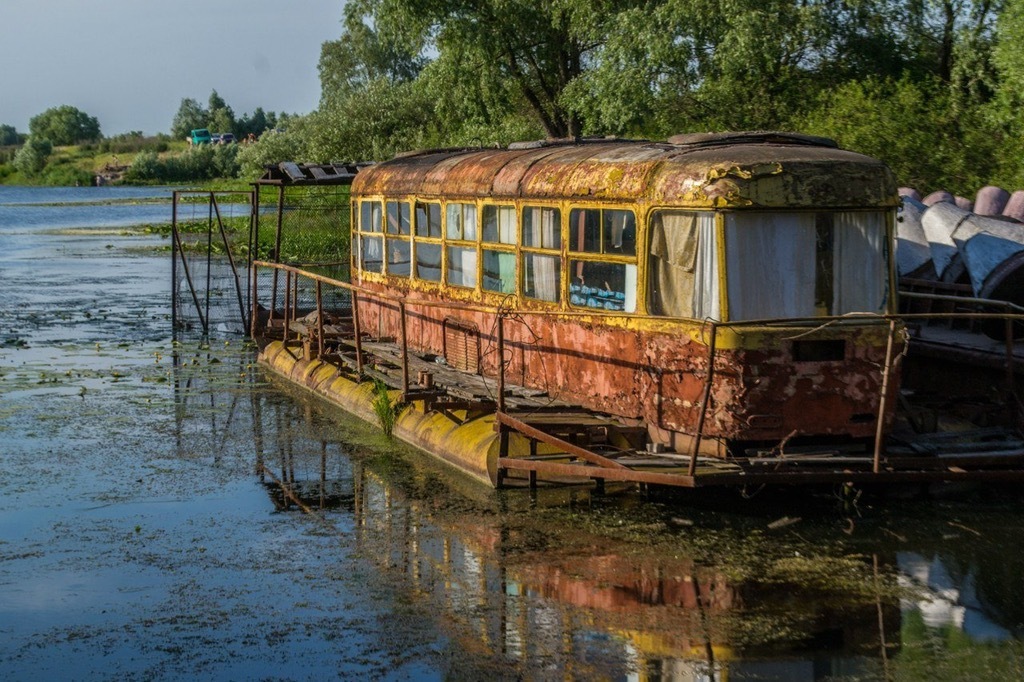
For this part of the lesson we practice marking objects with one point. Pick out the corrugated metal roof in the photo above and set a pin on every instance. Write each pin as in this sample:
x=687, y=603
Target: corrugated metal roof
x=737, y=169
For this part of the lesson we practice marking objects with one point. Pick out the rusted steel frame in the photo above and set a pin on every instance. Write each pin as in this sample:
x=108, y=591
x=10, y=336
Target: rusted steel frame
x=702, y=416
x=757, y=478
x=253, y=303
x=188, y=277
x=380, y=295
x=287, y=303
x=357, y=332
x=231, y=259
x=886, y=372
x=295, y=302
x=590, y=471
x=501, y=362
x=814, y=477
x=319, y=321
x=1008, y=306
x=209, y=260
x=174, y=261
x=277, y=249
x=254, y=239
x=405, y=352
x=574, y=450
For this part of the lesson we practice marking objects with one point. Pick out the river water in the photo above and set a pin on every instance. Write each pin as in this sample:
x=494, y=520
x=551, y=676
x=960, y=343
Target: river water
x=170, y=511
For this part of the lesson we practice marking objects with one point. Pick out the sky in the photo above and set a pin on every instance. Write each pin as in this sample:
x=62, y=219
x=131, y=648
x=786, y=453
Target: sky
x=129, y=63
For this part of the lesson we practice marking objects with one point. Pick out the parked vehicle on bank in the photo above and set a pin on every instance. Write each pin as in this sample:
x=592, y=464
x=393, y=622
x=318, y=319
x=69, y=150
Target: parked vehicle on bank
x=199, y=136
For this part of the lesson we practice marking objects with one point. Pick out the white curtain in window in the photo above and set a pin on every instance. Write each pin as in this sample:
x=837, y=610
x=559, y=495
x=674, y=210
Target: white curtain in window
x=859, y=265
x=706, y=294
x=684, y=265
x=770, y=264
x=544, y=231
x=507, y=224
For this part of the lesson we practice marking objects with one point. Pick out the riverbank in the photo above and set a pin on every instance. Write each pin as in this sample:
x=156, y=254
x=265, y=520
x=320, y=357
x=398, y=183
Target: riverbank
x=109, y=163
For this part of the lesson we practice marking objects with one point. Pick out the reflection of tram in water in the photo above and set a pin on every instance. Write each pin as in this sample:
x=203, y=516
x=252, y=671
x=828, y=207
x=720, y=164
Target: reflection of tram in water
x=529, y=598
x=676, y=313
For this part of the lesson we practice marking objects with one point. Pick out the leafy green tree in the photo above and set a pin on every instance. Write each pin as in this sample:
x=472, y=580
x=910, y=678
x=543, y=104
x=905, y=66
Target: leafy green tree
x=190, y=116
x=915, y=128
x=64, y=125
x=8, y=135
x=31, y=158
x=220, y=117
x=255, y=124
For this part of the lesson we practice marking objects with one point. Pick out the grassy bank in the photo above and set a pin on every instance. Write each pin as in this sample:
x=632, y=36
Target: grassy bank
x=112, y=160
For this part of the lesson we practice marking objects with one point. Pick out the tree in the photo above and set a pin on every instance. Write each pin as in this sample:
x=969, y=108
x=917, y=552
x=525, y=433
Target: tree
x=190, y=116
x=8, y=135
x=254, y=124
x=219, y=116
x=64, y=125
x=31, y=158
x=532, y=50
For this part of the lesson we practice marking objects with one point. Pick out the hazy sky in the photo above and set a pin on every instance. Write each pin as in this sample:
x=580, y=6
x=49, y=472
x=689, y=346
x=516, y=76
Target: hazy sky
x=129, y=63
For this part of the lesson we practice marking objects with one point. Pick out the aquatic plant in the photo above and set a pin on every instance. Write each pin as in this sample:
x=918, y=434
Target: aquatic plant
x=385, y=407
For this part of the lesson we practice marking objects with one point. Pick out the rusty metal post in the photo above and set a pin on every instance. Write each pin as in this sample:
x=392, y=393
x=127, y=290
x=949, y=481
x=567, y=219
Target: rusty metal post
x=253, y=301
x=876, y=466
x=188, y=277
x=287, y=304
x=501, y=362
x=405, y=352
x=319, y=321
x=357, y=333
x=231, y=259
x=704, y=399
x=174, y=262
x=275, y=257
x=209, y=263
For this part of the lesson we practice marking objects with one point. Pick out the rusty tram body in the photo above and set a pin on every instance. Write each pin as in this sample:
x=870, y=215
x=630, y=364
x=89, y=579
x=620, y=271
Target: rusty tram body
x=630, y=254
x=717, y=309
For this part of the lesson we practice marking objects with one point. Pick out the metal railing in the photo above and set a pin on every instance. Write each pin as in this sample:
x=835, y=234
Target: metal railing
x=1011, y=313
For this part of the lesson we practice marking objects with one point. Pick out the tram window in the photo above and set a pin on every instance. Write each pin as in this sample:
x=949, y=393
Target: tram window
x=806, y=264
x=369, y=216
x=500, y=224
x=428, y=261
x=542, y=227
x=461, y=267
x=603, y=286
x=461, y=222
x=428, y=220
x=541, y=277
x=682, y=273
x=370, y=254
x=399, y=256
x=499, y=271
x=593, y=230
x=398, y=217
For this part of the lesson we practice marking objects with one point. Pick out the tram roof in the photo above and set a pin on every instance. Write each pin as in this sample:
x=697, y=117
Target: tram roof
x=758, y=169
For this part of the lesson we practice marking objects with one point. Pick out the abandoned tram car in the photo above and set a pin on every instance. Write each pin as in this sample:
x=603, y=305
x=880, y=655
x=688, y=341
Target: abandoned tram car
x=624, y=266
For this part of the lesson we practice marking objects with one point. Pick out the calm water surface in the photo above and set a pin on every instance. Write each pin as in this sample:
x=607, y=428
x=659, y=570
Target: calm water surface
x=169, y=511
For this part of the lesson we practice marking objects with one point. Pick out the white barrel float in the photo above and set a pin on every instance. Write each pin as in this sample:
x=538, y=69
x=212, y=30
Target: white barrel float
x=913, y=255
x=939, y=222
